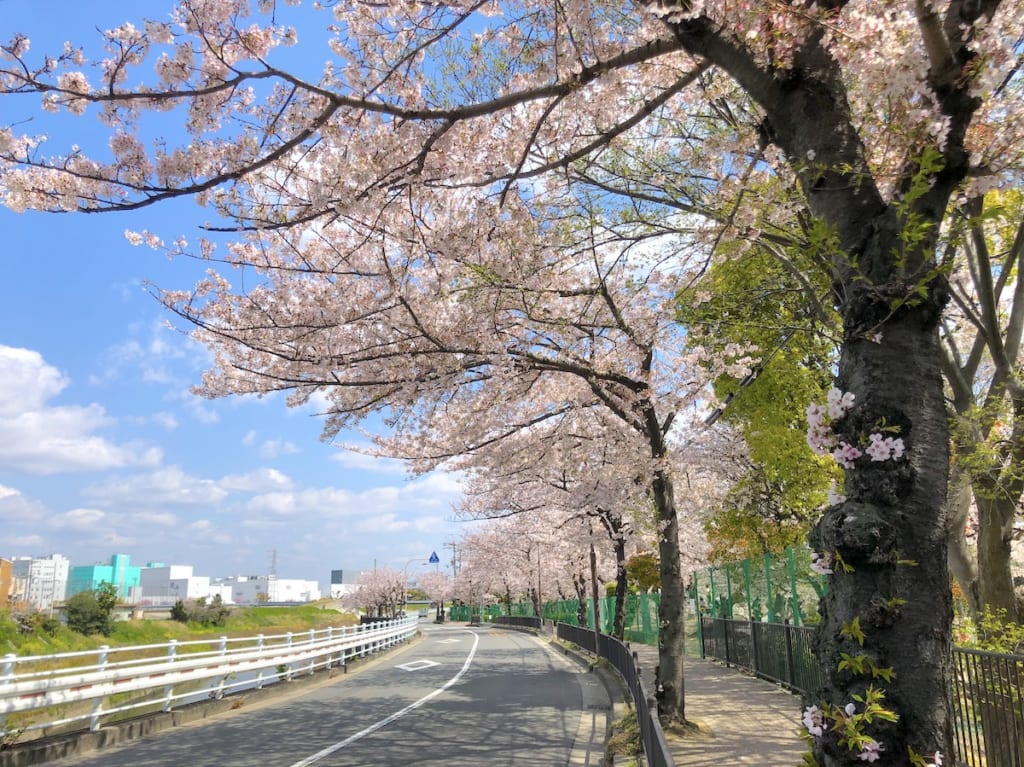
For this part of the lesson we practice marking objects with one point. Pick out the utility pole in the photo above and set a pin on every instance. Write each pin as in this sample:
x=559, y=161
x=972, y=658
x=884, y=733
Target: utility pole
x=593, y=590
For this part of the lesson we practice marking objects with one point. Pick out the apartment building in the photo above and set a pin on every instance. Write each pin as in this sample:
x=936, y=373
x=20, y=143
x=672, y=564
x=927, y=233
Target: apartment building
x=39, y=583
x=6, y=581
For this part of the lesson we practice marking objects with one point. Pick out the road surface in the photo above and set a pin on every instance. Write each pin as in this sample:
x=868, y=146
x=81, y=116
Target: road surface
x=459, y=697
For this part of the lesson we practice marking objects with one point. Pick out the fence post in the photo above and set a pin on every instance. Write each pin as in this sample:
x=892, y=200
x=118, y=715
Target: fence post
x=725, y=633
x=222, y=650
x=700, y=635
x=259, y=675
x=769, y=599
x=288, y=669
x=97, y=706
x=713, y=606
x=746, y=583
x=728, y=593
x=6, y=674
x=790, y=669
x=797, y=617
x=330, y=640
x=753, y=646
x=312, y=659
x=172, y=651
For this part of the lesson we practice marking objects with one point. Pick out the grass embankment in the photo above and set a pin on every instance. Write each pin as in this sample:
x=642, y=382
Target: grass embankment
x=49, y=638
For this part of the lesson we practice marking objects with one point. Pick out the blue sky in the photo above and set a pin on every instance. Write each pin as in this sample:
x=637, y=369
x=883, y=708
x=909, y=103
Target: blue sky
x=103, y=448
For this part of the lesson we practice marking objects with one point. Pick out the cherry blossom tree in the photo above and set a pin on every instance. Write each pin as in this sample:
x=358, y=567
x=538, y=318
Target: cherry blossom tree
x=380, y=592
x=981, y=337
x=565, y=477
x=441, y=140
x=438, y=586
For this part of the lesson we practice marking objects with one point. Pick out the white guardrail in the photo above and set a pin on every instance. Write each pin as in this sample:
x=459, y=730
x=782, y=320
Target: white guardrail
x=159, y=676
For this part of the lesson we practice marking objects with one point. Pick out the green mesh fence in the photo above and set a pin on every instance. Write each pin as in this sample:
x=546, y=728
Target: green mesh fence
x=773, y=587
x=641, y=623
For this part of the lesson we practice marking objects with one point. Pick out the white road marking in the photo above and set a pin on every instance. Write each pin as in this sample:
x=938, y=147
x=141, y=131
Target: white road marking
x=450, y=641
x=394, y=717
x=418, y=665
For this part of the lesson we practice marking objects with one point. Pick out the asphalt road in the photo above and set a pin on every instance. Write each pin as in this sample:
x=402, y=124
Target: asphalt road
x=458, y=697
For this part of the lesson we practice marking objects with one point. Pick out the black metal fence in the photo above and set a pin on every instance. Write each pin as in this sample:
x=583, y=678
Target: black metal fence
x=779, y=652
x=988, y=706
x=517, y=621
x=625, y=662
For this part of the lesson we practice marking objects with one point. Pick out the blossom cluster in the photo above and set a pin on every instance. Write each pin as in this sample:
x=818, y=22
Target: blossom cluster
x=823, y=441
x=821, y=564
x=816, y=722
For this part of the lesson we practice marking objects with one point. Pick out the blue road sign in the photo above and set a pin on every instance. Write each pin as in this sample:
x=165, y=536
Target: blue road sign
x=433, y=558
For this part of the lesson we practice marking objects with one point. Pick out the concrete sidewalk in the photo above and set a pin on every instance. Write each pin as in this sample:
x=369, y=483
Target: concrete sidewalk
x=747, y=721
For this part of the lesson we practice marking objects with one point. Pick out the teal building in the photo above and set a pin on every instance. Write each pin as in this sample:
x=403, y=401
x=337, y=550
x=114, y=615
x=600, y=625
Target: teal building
x=119, y=572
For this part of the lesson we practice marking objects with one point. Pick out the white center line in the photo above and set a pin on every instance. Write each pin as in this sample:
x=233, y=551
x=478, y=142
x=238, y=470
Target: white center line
x=395, y=716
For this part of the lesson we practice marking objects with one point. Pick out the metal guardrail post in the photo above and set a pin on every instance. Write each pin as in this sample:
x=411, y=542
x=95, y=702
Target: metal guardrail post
x=312, y=661
x=222, y=650
x=172, y=651
x=97, y=706
x=330, y=656
x=288, y=667
x=259, y=674
x=6, y=673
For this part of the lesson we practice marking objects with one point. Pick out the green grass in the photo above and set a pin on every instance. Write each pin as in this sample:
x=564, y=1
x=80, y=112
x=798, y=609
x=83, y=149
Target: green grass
x=242, y=621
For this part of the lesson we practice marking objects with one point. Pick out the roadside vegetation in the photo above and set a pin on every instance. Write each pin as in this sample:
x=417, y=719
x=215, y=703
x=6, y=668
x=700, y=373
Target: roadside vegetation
x=37, y=634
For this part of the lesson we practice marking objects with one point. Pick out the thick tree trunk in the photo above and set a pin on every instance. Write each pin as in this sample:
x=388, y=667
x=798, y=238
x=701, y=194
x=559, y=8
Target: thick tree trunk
x=887, y=600
x=621, y=587
x=960, y=560
x=995, y=536
x=670, y=691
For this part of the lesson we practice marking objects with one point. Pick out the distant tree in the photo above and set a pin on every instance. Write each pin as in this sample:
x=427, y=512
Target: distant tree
x=417, y=595
x=90, y=612
x=179, y=613
x=214, y=613
x=262, y=598
x=380, y=592
x=642, y=571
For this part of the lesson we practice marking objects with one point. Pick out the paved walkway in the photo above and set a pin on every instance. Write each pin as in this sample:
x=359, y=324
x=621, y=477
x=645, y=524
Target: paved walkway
x=747, y=721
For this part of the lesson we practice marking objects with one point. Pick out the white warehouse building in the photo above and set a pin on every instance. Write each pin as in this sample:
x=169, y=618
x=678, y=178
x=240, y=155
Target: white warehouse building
x=166, y=584
x=254, y=589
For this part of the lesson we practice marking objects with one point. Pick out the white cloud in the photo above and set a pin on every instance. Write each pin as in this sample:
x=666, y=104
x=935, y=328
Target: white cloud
x=350, y=459
x=25, y=541
x=197, y=407
x=77, y=519
x=8, y=492
x=161, y=519
x=273, y=448
x=168, y=486
x=421, y=505
x=384, y=523
x=39, y=438
x=282, y=504
x=260, y=481
x=165, y=419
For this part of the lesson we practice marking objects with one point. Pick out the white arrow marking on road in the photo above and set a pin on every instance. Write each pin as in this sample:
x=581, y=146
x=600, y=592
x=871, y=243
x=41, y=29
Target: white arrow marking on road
x=395, y=716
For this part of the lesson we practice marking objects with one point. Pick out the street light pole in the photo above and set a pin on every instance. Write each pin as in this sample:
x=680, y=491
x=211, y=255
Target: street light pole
x=405, y=579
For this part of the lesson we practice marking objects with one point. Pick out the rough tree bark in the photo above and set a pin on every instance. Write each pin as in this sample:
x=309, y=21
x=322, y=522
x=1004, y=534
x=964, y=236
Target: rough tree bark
x=888, y=603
